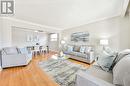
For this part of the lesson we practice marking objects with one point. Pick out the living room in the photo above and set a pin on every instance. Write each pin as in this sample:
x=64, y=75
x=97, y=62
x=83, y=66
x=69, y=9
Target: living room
x=65, y=43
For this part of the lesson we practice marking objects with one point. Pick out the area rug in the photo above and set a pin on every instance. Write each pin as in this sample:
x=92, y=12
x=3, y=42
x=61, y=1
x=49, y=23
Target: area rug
x=62, y=70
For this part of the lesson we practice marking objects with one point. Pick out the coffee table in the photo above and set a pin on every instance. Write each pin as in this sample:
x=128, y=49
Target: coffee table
x=65, y=56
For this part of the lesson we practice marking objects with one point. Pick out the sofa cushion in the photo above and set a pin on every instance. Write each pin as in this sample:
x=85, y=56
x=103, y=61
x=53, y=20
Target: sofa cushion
x=78, y=54
x=66, y=52
x=82, y=55
x=99, y=73
x=11, y=50
x=121, y=70
x=73, y=53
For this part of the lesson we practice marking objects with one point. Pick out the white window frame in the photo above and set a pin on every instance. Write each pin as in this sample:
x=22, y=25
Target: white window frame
x=54, y=37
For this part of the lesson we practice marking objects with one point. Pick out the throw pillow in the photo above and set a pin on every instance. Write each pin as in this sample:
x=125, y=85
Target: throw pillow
x=121, y=70
x=109, y=51
x=76, y=48
x=105, y=61
x=88, y=49
x=82, y=49
x=70, y=48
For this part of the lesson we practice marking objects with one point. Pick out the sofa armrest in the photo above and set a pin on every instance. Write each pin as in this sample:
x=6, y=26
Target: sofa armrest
x=84, y=79
x=90, y=56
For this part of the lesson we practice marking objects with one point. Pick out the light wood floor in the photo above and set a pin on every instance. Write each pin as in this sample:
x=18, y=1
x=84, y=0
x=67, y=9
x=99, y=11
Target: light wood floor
x=30, y=75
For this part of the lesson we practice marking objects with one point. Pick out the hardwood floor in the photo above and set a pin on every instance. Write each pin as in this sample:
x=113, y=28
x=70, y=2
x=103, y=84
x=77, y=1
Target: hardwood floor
x=30, y=75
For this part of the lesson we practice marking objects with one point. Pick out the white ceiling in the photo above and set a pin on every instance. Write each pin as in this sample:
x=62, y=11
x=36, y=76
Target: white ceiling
x=64, y=14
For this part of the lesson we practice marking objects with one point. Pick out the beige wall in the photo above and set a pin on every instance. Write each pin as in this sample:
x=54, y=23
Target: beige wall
x=115, y=29
x=19, y=37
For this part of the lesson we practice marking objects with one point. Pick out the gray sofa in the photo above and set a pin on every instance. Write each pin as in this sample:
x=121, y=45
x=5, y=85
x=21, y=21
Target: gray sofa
x=83, y=53
x=95, y=76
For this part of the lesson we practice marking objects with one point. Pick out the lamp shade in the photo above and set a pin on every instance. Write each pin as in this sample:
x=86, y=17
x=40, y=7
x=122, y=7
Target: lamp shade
x=104, y=42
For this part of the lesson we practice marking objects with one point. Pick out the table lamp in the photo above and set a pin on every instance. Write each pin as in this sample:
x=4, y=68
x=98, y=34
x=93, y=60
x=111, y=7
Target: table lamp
x=104, y=42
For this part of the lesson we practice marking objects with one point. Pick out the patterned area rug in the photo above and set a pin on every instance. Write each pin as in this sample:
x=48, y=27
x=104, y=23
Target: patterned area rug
x=61, y=70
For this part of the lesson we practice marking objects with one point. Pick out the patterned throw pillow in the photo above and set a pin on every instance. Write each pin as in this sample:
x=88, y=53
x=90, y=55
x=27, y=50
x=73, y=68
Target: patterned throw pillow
x=76, y=48
x=105, y=60
x=70, y=48
x=109, y=51
x=82, y=49
x=88, y=49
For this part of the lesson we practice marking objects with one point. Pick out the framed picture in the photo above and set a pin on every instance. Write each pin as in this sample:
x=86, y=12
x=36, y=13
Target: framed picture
x=80, y=36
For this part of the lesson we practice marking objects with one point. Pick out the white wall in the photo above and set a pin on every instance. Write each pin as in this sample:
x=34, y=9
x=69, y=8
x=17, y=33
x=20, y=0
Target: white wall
x=0, y=39
x=6, y=33
x=7, y=29
x=115, y=29
x=0, y=32
x=19, y=37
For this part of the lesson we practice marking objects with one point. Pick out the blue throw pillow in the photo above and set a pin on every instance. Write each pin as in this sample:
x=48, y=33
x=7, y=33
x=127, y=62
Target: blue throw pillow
x=70, y=48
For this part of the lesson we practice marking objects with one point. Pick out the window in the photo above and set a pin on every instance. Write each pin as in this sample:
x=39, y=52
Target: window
x=53, y=37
